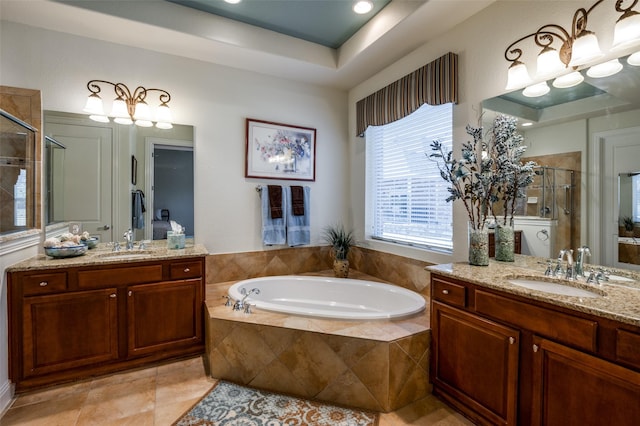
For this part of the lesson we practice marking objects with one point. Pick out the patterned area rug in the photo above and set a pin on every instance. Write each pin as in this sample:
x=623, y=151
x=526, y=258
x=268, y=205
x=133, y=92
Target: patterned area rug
x=229, y=404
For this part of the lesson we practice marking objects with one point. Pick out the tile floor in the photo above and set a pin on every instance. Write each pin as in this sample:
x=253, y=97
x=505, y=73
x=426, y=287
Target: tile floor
x=160, y=395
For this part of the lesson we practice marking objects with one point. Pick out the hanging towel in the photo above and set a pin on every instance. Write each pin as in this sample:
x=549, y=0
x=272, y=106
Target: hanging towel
x=137, y=210
x=298, y=229
x=297, y=200
x=275, y=201
x=274, y=230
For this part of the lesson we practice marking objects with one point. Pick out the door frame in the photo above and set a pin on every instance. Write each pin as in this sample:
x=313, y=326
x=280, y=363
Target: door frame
x=150, y=144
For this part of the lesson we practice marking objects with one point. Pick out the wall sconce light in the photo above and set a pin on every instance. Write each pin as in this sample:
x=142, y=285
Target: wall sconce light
x=578, y=48
x=128, y=107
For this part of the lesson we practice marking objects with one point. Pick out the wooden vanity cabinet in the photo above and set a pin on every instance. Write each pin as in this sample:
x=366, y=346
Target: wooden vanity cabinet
x=563, y=367
x=475, y=363
x=83, y=321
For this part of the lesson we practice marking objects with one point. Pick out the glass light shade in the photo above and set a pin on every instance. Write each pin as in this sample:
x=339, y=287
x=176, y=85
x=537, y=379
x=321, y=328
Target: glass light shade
x=99, y=118
x=362, y=6
x=119, y=110
x=144, y=123
x=164, y=125
x=627, y=31
x=518, y=76
x=585, y=49
x=535, y=90
x=142, y=111
x=163, y=114
x=568, y=80
x=94, y=105
x=605, y=69
x=634, y=59
x=123, y=120
x=549, y=63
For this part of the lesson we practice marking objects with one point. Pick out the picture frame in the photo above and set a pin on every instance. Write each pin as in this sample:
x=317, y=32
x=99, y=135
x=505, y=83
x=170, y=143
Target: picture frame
x=134, y=170
x=280, y=151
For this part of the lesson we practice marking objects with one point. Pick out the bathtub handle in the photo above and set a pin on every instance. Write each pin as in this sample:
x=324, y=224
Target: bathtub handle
x=247, y=308
x=229, y=300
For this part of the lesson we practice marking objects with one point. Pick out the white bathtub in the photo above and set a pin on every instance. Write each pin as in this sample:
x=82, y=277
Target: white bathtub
x=324, y=297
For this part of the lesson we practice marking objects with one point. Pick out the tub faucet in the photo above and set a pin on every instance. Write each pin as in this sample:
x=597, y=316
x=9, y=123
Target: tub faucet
x=239, y=305
x=583, y=252
x=128, y=237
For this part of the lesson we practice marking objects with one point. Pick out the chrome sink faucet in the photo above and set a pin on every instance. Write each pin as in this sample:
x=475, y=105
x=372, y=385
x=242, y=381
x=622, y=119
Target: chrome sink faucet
x=583, y=252
x=128, y=237
x=570, y=270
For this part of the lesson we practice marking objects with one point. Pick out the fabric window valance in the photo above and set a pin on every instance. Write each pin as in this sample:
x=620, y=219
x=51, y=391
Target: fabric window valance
x=435, y=83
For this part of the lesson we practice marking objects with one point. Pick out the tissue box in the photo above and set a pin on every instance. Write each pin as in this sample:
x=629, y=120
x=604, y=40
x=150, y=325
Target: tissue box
x=174, y=240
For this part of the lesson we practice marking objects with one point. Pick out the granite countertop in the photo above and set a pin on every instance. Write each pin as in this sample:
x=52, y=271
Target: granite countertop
x=104, y=255
x=619, y=301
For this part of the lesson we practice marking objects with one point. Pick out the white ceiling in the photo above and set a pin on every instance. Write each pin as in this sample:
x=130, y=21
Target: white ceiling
x=399, y=28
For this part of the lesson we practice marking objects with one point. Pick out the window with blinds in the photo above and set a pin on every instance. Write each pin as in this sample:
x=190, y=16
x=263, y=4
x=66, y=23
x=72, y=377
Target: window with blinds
x=405, y=192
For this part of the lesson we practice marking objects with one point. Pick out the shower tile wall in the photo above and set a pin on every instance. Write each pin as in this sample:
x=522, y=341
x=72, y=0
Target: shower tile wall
x=568, y=231
x=26, y=105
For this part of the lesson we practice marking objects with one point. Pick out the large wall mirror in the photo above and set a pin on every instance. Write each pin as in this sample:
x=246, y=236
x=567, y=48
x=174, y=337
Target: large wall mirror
x=108, y=177
x=592, y=132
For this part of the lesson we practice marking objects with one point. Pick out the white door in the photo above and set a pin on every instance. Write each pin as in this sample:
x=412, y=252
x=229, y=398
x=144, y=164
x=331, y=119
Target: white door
x=87, y=185
x=621, y=150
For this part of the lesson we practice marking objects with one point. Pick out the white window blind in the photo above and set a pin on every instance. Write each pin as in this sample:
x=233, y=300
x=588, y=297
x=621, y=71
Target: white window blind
x=406, y=194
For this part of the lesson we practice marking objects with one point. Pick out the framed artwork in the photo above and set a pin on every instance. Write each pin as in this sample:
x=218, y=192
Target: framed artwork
x=280, y=151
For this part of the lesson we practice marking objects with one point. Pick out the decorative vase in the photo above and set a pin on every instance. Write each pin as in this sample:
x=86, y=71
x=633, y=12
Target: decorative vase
x=505, y=244
x=478, y=246
x=341, y=268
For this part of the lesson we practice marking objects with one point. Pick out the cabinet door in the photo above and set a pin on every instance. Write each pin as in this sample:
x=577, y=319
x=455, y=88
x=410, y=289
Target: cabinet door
x=69, y=330
x=573, y=388
x=475, y=364
x=164, y=315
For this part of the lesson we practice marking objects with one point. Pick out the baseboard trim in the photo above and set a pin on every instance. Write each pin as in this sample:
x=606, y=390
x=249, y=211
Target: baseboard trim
x=6, y=396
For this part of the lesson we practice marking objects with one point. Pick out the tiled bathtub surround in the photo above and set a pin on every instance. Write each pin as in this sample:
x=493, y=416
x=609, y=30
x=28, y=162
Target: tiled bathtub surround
x=398, y=270
x=377, y=365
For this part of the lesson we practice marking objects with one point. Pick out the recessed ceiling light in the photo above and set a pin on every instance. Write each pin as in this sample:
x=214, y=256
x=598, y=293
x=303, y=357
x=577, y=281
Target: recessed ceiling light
x=233, y=1
x=527, y=124
x=362, y=6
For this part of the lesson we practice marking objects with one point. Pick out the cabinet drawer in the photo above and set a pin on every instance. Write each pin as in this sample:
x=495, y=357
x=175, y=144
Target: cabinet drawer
x=447, y=292
x=44, y=283
x=578, y=332
x=181, y=270
x=97, y=278
x=628, y=347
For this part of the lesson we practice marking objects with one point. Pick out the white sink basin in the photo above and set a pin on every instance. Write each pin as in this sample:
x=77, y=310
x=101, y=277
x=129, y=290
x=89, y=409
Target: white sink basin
x=553, y=287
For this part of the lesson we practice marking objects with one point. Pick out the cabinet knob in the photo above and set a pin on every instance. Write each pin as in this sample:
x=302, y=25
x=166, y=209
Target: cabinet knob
x=187, y=269
x=112, y=295
x=535, y=348
x=512, y=340
x=130, y=293
x=445, y=291
x=43, y=283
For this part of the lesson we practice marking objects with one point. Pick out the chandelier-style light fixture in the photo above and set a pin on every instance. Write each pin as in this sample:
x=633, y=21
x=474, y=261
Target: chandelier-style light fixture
x=579, y=47
x=128, y=107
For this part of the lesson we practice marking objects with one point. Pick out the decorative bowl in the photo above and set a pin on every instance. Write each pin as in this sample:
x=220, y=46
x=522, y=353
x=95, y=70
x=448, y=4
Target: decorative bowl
x=91, y=242
x=70, y=251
